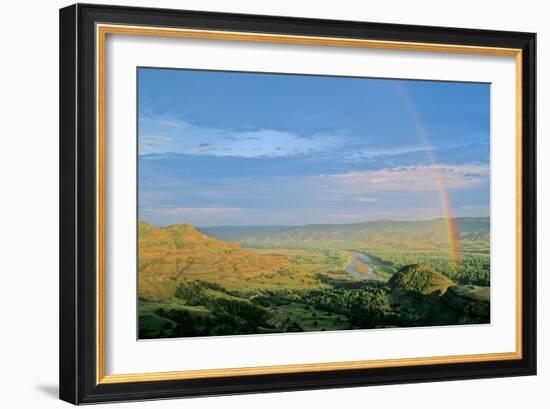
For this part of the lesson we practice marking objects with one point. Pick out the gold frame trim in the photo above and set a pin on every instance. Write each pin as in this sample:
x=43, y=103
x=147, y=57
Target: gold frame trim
x=101, y=33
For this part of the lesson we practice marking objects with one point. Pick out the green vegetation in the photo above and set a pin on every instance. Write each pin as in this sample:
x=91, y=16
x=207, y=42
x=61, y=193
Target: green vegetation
x=390, y=244
x=253, y=280
x=473, y=301
x=420, y=278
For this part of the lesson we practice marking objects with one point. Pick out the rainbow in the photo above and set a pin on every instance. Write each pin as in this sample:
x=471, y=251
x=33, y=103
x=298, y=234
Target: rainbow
x=450, y=223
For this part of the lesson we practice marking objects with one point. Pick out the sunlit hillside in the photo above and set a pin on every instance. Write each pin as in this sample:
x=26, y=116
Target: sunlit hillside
x=176, y=253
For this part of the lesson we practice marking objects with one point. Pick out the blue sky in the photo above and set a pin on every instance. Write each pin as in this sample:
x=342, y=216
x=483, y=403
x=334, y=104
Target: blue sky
x=225, y=148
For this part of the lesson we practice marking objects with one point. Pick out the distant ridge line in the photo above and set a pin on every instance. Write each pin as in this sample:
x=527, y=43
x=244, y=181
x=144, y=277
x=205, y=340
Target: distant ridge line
x=290, y=226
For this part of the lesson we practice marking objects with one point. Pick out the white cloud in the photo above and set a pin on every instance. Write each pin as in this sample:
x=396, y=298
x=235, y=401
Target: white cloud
x=410, y=179
x=169, y=135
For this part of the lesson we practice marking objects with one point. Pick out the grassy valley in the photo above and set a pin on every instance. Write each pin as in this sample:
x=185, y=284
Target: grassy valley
x=268, y=279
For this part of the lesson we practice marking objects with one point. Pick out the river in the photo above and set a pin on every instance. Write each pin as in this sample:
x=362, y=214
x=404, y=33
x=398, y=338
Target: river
x=359, y=259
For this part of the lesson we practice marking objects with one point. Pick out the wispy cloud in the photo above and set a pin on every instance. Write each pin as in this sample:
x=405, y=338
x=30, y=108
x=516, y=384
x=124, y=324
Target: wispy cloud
x=377, y=153
x=366, y=199
x=193, y=211
x=176, y=135
x=409, y=179
x=153, y=140
x=170, y=123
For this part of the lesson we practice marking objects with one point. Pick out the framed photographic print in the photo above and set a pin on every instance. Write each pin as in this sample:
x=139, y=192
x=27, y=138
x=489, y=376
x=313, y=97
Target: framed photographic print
x=257, y=203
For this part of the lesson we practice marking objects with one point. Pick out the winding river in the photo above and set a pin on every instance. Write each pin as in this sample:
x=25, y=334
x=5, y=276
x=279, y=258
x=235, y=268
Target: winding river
x=361, y=260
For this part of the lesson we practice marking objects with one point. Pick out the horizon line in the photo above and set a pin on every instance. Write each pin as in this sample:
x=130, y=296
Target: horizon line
x=318, y=224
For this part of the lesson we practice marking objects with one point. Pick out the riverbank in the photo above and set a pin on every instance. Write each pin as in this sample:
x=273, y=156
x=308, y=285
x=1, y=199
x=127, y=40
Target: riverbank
x=361, y=267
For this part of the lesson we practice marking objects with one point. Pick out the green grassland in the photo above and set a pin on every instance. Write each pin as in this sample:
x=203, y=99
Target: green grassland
x=254, y=280
x=391, y=244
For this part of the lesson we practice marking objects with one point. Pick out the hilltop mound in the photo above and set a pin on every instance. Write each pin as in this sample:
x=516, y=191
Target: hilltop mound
x=169, y=255
x=176, y=236
x=420, y=278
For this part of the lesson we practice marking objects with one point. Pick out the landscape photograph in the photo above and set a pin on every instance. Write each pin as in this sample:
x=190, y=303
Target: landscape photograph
x=284, y=203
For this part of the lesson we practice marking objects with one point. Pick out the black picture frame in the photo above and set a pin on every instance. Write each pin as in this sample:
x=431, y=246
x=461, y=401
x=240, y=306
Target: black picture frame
x=78, y=360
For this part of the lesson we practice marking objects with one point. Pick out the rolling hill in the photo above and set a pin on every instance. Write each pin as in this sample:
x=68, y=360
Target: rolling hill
x=172, y=254
x=420, y=232
x=420, y=278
